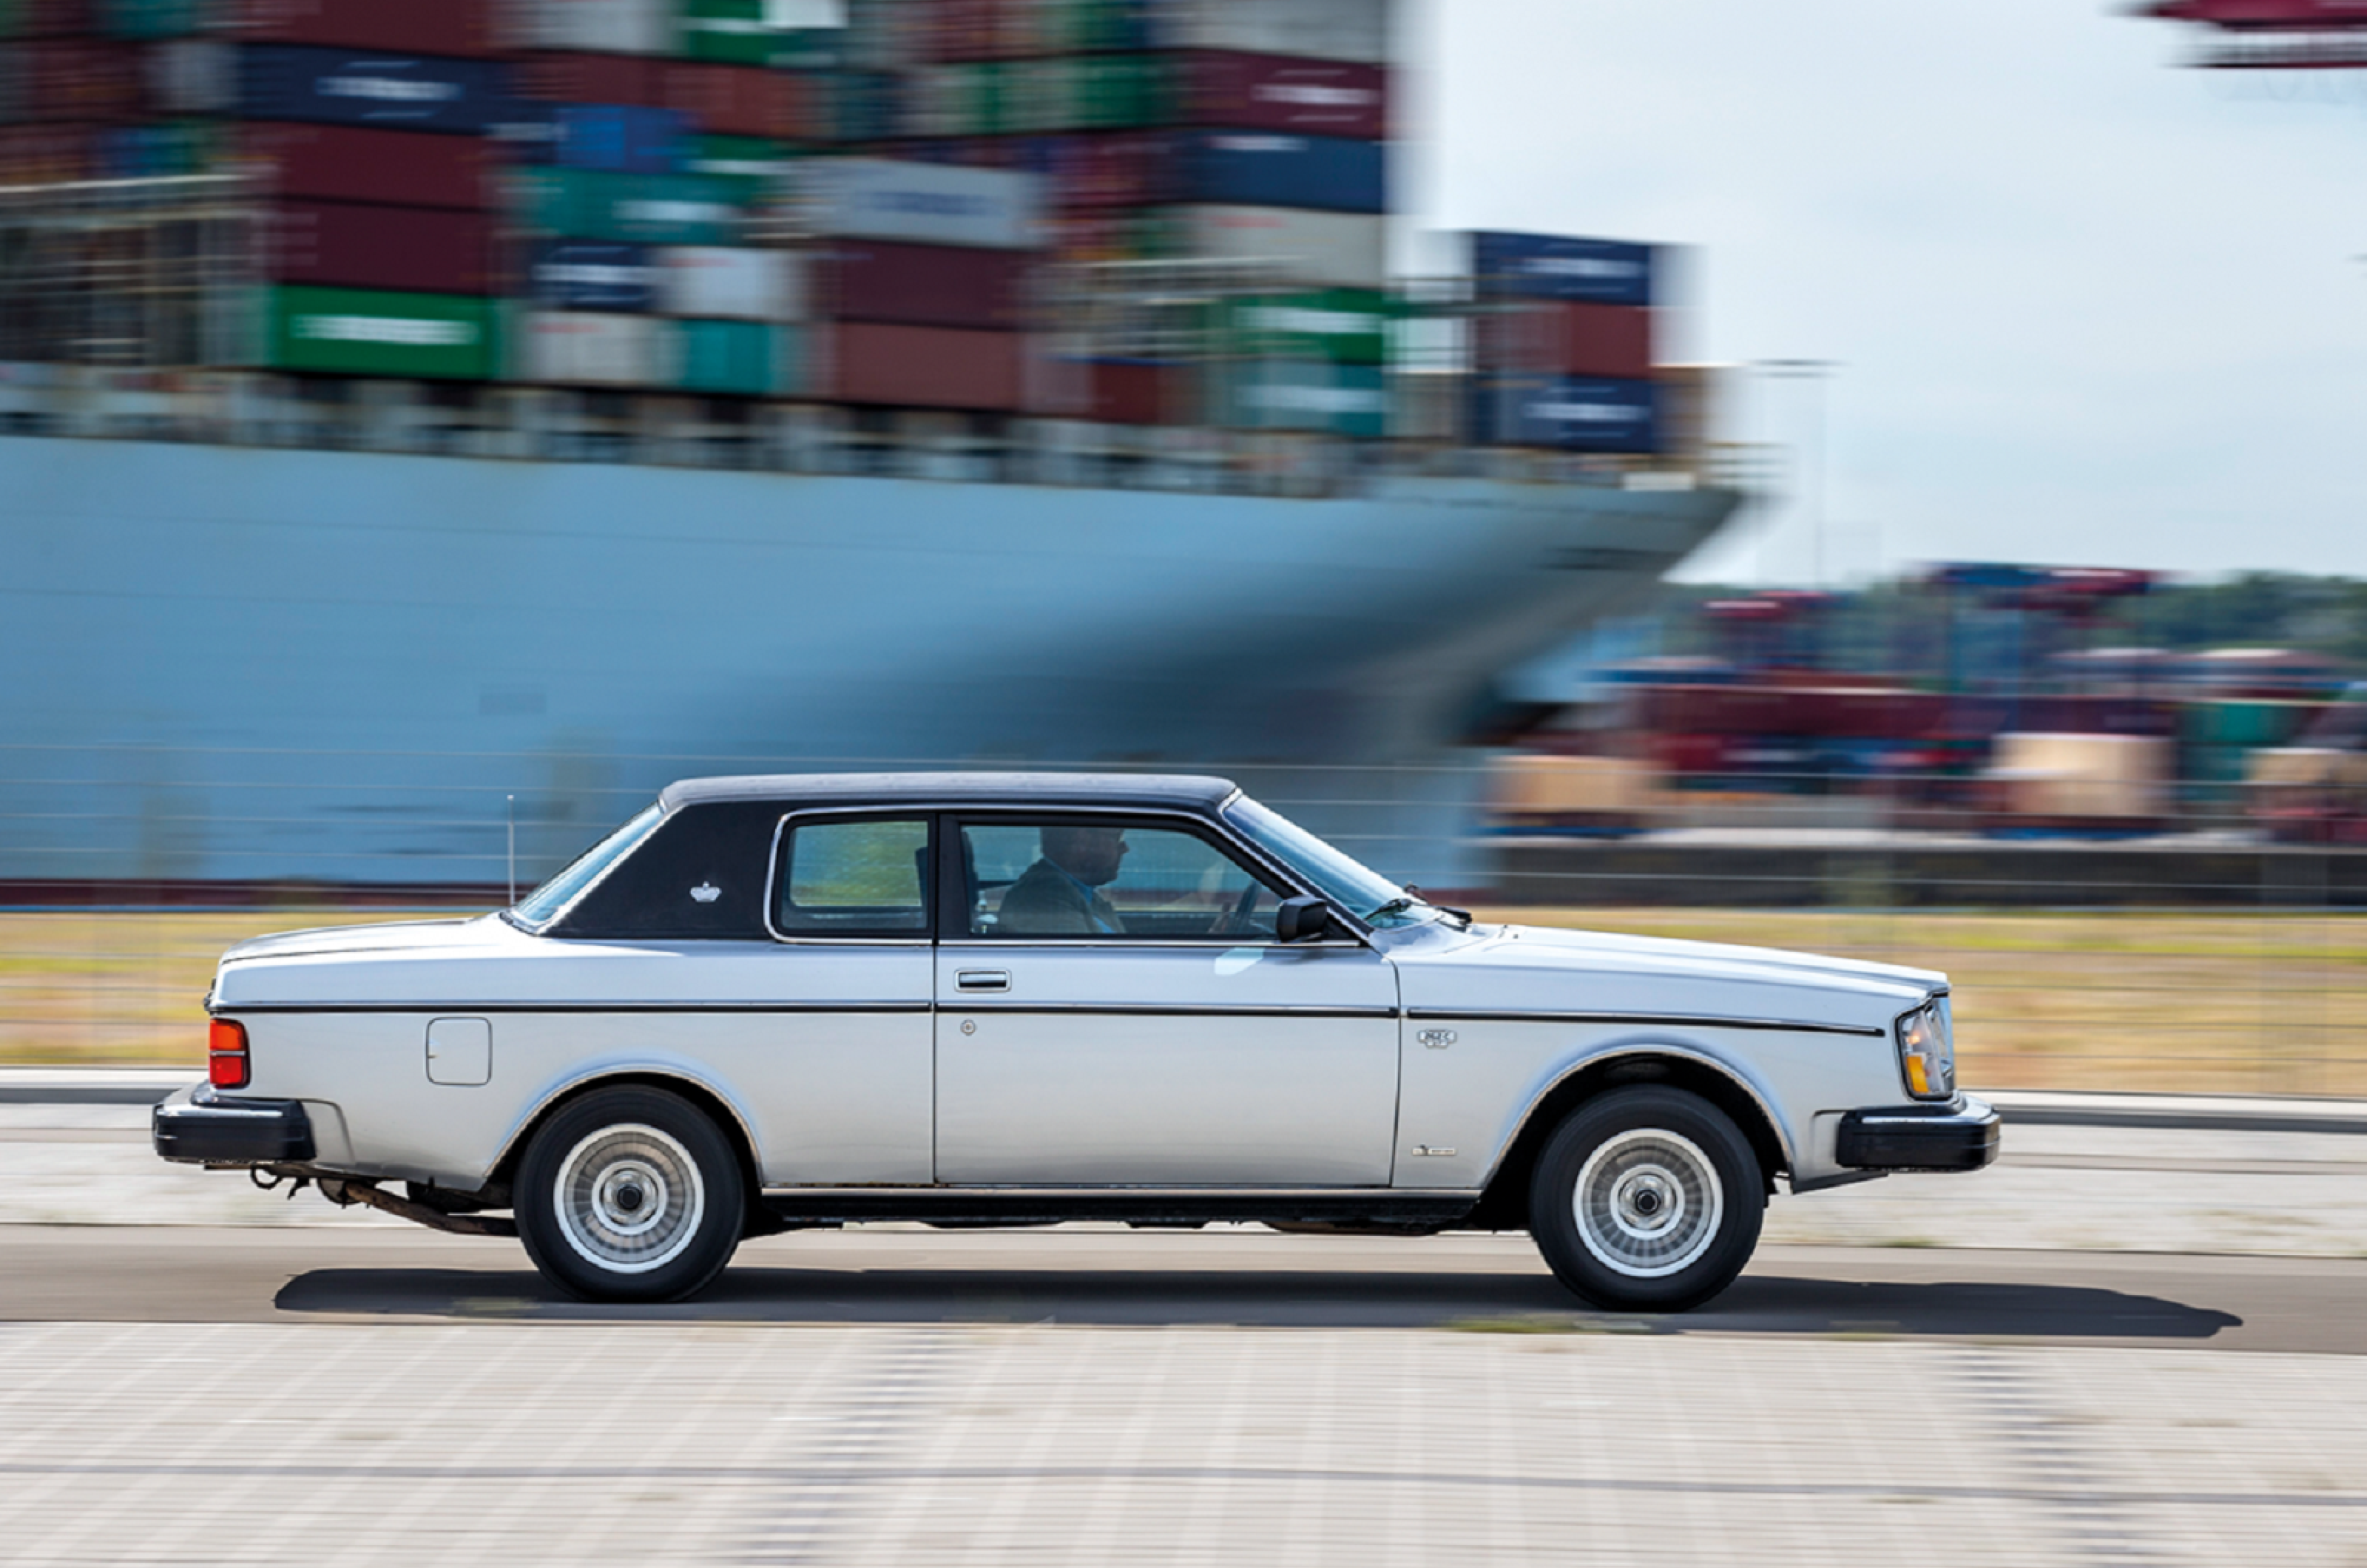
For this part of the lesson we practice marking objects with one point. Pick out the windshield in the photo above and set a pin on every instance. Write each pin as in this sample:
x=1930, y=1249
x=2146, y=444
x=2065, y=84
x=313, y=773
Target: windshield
x=537, y=908
x=1358, y=889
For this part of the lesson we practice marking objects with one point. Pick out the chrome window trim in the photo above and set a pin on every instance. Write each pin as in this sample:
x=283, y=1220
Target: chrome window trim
x=664, y=815
x=1697, y=1021
x=926, y=814
x=1529, y=1111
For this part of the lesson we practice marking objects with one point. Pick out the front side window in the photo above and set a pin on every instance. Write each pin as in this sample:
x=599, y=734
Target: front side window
x=1090, y=878
x=853, y=879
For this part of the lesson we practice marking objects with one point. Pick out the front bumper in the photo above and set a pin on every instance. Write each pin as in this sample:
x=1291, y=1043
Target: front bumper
x=198, y=1127
x=1959, y=1136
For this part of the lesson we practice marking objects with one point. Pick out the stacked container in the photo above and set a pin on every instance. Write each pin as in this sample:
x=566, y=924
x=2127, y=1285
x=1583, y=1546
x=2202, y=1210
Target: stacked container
x=1563, y=343
x=925, y=272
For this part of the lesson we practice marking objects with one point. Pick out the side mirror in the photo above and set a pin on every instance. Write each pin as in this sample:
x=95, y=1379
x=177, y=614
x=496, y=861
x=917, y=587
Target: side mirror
x=1301, y=919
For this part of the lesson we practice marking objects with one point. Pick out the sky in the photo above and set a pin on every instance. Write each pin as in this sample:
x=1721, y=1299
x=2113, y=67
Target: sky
x=2084, y=307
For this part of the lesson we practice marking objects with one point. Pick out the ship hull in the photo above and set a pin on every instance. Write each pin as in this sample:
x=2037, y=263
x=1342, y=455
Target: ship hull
x=255, y=664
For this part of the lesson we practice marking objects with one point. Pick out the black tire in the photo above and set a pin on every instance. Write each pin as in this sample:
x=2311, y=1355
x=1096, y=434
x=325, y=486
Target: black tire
x=629, y=1194
x=1675, y=1200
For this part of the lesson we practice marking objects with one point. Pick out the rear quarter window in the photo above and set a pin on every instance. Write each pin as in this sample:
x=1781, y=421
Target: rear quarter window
x=701, y=874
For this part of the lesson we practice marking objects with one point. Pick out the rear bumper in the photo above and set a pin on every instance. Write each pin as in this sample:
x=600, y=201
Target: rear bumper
x=201, y=1127
x=1959, y=1136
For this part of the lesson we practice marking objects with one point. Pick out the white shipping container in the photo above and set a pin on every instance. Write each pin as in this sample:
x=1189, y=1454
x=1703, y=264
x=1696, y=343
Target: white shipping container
x=928, y=204
x=732, y=284
x=1321, y=29
x=1345, y=249
x=602, y=26
x=589, y=348
x=192, y=75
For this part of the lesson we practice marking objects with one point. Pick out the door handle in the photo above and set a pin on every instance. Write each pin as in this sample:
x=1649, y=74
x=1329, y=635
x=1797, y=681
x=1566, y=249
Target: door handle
x=983, y=980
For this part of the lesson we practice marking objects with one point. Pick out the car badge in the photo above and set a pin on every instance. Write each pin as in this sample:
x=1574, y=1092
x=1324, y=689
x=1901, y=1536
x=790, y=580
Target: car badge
x=1436, y=1039
x=707, y=893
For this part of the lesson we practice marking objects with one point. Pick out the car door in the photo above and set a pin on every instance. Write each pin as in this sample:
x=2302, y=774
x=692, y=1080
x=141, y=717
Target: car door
x=1116, y=1010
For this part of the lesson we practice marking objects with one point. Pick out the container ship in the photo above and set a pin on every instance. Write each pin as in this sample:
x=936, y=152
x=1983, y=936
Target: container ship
x=427, y=427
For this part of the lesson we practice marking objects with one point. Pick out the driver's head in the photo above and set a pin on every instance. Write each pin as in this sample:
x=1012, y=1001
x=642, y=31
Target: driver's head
x=1088, y=854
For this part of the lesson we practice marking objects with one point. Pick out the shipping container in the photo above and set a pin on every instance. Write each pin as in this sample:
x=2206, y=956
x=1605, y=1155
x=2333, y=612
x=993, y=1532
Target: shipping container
x=599, y=27
x=82, y=80
x=1256, y=168
x=46, y=154
x=148, y=19
x=1350, y=250
x=585, y=348
x=727, y=357
x=741, y=100
x=372, y=333
x=1573, y=414
x=1321, y=30
x=1098, y=170
x=1272, y=91
x=926, y=367
x=590, y=79
x=876, y=199
x=739, y=33
x=753, y=168
x=1344, y=326
x=861, y=106
x=622, y=138
x=278, y=81
x=731, y=283
x=594, y=275
x=1564, y=337
x=1128, y=391
x=1553, y=266
x=395, y=168
x=347, y=244
x=651, y=210
x=460, y=27
x=926, y=286
x=1298, y=394
x=193, y=76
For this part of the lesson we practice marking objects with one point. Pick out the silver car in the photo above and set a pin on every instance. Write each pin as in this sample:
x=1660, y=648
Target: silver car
x=780, y=1003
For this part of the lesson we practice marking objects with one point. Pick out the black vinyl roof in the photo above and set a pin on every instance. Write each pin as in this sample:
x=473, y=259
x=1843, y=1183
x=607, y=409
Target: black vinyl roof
x=1187, y=791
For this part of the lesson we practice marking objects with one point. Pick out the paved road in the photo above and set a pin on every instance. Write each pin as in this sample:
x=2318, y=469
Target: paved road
x=1082, y=1276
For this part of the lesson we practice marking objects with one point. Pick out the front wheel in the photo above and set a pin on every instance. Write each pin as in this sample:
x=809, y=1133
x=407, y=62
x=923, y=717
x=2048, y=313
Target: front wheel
x=629, y=1194
x=1647, y=1200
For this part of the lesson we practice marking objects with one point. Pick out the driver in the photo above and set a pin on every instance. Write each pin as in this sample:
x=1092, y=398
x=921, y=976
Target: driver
x=1060, y=894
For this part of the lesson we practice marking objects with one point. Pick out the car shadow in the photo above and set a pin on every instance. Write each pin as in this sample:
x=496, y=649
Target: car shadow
x=1501, y=1302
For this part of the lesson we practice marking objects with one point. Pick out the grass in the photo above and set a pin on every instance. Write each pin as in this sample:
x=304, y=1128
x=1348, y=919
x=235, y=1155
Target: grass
x=2238, y=1003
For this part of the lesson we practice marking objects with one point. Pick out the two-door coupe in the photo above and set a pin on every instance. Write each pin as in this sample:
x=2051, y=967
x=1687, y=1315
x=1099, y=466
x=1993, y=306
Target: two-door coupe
x=776, y=1003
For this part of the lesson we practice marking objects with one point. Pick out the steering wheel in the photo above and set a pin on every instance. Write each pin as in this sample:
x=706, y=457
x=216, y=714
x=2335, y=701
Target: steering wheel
x=1236, y=921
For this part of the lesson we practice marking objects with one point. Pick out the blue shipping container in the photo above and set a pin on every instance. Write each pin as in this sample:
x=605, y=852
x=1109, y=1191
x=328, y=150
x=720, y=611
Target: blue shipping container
x=1553, y=266
x=1572, y=413
x=595, y=275
x=1248, y=168
x=394, y=92
x=622, y=139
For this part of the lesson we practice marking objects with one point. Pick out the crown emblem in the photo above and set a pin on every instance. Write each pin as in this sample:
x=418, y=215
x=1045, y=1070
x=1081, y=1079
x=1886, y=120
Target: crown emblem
x=707, y=893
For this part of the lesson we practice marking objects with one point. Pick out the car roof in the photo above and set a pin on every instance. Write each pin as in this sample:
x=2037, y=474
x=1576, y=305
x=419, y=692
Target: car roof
x=1189, y=791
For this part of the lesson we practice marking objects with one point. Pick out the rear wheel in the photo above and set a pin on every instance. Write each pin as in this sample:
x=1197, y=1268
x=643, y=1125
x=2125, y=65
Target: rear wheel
x=629, y=1194
x=1647, y=1200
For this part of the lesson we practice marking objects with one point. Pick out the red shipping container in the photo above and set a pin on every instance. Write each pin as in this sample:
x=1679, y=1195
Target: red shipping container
x=926, y=286
x=927, y=367
x=1135, y=391
x=76, y=79
x=956, y=30
x=399, y=26
x=591, y=79
x=46, y=154
x=1560, y=337
x=354, y=246
x=53, y=19
x=394, y=168
x=742, y=100
x=1274, y=92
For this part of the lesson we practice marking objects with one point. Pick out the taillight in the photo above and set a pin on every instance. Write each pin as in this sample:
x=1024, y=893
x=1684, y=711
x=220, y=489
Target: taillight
x=226, y=1055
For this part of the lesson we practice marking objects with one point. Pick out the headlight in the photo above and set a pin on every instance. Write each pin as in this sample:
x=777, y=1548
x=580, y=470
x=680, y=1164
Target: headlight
x=1927, y=1051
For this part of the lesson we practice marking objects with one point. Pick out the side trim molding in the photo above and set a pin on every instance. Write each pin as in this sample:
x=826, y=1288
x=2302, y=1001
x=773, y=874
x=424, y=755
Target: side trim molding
x=475, y=1008
x=1698, y=1020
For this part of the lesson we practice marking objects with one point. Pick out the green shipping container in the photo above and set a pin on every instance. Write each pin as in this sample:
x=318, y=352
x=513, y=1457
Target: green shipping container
x=648, y=209
x=729, y=358
x=752, y=168
x=371, y=332
x=1345, y=326
x=1123, y=92
x=152, y=18
x=1299, y=394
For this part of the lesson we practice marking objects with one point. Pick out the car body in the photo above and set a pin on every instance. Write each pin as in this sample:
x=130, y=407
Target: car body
x=777, y=1002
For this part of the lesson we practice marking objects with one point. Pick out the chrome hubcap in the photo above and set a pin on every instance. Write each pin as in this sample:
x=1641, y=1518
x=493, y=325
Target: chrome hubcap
x=629, y=1198
x=1647, y=1202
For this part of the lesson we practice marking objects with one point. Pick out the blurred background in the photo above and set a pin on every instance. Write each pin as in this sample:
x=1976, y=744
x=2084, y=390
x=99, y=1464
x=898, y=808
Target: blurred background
x=1857, y=483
